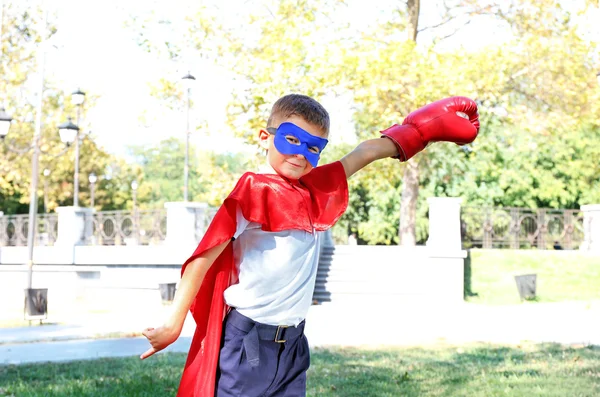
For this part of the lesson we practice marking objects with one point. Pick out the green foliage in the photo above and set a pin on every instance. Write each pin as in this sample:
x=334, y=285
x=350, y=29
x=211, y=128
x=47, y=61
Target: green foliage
x=163, y=173
x=21, y=37
x=538, y=105
x=537, y=92
x=212, y=176
x=282, y=52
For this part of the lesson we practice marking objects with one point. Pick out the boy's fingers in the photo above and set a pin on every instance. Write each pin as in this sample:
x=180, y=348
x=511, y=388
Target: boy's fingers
x=148, y=353
x=147, y=331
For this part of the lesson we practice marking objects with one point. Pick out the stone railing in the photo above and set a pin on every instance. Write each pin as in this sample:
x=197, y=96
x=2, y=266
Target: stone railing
x=14, y=229
x=184, y=223
x=518, y=228
x=127, y=227
x=83, y=226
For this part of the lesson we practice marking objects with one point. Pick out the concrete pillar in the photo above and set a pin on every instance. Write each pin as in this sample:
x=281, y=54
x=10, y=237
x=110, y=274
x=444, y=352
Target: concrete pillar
x=2, y=230
x=74, y=226
x=444, y=224
x=591, y=228
x=183, y=220
x=1, y=234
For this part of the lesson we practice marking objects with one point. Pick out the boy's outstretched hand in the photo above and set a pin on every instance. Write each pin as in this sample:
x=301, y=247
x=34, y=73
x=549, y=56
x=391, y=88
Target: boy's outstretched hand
x=189, y=285
x=453, y=119
x=159, y=338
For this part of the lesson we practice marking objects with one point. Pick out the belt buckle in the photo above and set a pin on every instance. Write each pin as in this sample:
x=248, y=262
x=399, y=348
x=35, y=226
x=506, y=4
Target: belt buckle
x=279, y=332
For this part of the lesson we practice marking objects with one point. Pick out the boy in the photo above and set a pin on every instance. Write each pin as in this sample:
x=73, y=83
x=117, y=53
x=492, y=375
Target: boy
x=259, y=256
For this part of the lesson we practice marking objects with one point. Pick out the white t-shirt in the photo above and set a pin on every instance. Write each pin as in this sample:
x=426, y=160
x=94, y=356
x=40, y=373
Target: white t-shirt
x=277, y=273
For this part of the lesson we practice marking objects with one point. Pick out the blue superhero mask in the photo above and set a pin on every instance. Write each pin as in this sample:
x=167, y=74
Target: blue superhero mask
x=291, y=139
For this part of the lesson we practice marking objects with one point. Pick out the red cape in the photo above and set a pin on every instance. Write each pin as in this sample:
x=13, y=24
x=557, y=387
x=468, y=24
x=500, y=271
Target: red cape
x=315, y=202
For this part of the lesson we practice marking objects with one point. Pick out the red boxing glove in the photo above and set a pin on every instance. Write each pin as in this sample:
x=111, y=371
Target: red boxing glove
x=453, y=119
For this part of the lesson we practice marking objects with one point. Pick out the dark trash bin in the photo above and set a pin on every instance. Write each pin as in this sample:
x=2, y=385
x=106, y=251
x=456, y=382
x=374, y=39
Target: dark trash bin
x=167, y=291
x=526, y=284
x=36, y=303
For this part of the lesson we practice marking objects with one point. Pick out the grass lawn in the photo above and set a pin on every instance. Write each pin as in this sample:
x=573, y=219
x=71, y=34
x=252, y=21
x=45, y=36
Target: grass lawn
x=561, y=275
x=476, y=370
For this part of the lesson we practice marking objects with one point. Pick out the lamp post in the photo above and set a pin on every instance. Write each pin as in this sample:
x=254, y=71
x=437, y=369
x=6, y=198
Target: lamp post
x=77, y=98
x=5, y=121
x=134, y=187
x=34, y=173
x=46, y=175
x=35, y=300
x=187, y=79
x=93, y=179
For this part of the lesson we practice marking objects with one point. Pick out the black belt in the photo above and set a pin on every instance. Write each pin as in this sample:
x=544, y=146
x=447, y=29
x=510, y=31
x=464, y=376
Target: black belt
x=258, y=331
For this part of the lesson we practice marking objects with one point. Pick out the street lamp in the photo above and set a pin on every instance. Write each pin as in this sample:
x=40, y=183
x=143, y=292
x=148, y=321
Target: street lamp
x=93, y=179
x=35, y=299
x=77, y=98
x=188, y=79
x=46, y=175
x=68, y=132
x=5, y=121
x=134, y=186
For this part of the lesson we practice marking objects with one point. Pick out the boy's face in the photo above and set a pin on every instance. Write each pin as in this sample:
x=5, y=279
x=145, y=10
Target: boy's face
x=291, y=166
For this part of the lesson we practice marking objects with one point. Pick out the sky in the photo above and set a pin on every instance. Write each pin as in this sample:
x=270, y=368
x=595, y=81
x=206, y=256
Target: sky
x=96, y=52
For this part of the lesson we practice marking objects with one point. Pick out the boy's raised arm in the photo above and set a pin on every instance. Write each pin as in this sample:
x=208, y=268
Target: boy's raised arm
x=189, y=285
x=453, y=119
x=366, y=152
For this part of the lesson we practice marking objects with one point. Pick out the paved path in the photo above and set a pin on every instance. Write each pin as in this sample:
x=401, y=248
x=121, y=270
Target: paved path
x=83, y=349
x=328, y=324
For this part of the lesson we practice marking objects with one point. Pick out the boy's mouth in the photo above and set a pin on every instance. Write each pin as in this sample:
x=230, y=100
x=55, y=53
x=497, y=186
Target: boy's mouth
x=293, y=164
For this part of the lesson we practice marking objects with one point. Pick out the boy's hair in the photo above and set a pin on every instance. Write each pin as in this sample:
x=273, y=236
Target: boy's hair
x=301, y=105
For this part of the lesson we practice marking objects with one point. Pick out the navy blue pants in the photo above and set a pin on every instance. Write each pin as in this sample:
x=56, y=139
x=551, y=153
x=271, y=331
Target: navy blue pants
x=259, y=360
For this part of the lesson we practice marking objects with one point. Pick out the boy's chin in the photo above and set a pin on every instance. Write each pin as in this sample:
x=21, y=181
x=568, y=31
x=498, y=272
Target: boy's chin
x=290, y=174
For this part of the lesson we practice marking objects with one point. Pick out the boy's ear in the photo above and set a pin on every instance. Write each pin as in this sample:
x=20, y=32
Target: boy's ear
x=263, y=139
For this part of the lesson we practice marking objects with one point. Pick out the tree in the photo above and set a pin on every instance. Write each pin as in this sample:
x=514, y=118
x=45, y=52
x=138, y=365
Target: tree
x=530, y=78
x=23, y=29
x=18, y=38
x=212, y=176
x=536, y=95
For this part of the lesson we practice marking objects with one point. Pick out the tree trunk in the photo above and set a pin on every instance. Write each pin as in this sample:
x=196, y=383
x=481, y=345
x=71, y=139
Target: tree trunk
x=408, y=204
x=410, y=189
x=413, y=7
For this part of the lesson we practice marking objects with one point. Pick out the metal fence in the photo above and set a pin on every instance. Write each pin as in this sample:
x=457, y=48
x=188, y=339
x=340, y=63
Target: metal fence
x=14, y=229
x=521, y=228
x=515, y=228
x=139, y=227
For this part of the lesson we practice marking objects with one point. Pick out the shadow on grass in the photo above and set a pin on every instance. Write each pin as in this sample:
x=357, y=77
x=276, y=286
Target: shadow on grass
x=549, y=370
x=474, y=371
x=157, y=376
